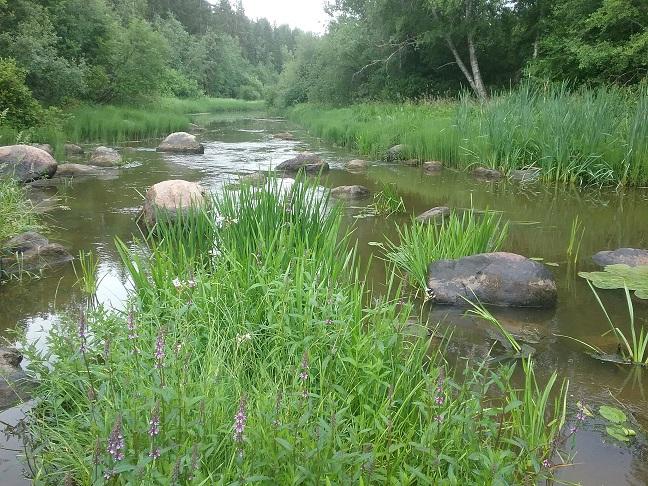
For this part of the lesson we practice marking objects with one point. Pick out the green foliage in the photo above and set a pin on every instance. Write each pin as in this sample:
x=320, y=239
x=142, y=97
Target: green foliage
x=270, y=329
x=621, y=276
x=17, y=213
x=18, y=107
x=617, y=428
x=456, y=236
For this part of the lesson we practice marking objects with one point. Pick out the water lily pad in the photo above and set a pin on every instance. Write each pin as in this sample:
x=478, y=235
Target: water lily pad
x=620, y=276
x=620, y=433
x=613, y=414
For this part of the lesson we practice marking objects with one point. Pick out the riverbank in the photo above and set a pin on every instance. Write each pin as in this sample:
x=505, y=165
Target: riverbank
x=591, y=136
x=114, y=123
x=262, y=360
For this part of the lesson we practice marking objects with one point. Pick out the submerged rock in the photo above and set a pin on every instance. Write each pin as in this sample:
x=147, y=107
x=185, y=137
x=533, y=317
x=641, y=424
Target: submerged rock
x=31, y=252
x=397, y=152
x=525, y=175
x=284, y=136
x=25, y=163
x=433, y=166
x=105, y=157
x=356, y=164
x=254, y=179
x=181, y=143
x=14, y=385
x=78, y=170
x=632, y=257
x=310, y=163
x=350, y=192
x=411, y=162
x=44, y=146
x=433, y=214
x=487, y=174
x=72, y=149
x=170, y=197
x=501, y=278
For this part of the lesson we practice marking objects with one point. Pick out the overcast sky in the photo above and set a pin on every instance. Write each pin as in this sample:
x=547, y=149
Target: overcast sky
x=305, y=14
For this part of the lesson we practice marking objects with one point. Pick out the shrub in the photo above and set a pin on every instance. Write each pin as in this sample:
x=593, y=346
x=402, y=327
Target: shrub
x=20, y=108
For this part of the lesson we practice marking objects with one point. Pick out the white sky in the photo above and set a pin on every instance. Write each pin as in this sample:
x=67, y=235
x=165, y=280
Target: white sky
x=305, y=14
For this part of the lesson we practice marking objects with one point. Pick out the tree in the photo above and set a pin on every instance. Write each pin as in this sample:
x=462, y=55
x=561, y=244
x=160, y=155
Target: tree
x=18, y=108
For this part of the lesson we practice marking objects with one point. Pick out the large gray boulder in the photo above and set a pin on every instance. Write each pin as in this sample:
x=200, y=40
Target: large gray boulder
x=503, y=279
x=632, y=257
x=168, y=198
x=350, y=192
x=310, y=163
x=181, y=143
x=31, y=252
x=25, y=163
x=434, y=214
x=105, y=157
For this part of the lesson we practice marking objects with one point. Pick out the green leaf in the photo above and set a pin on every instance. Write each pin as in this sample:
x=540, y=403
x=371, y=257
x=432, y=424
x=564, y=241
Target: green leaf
x=612, y=414
x=618, y=276
x=619, y=432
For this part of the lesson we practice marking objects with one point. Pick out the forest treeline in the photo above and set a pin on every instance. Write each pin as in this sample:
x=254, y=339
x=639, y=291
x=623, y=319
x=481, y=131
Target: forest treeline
x=409, y=49
x=120, y=51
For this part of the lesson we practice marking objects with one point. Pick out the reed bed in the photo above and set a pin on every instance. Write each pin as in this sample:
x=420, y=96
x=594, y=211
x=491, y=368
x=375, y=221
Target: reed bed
x=588, y=136
x=252, y=351
x=17, y=213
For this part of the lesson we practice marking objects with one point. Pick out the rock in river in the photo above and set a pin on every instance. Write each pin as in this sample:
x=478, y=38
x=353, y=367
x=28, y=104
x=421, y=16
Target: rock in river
x=356, y=164
x=25, y=163
x=397, y=152
x=632, y=257
x=307, y=162
x=72, y=149
x=44, y=146
x=78, y=170
x=504, y=279
x=486, y=174
x=31, y=252
x=181, y=143
x=169, y=197
x=432, y=166
x=284, y=136
x=14, y=386
x=105, y=157
x=350, y=192
x=434, y=214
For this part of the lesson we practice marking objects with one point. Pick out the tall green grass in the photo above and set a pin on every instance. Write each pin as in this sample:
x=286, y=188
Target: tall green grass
x=268, y=360
x=17, y=213
x=455, y=237
x=587, y=136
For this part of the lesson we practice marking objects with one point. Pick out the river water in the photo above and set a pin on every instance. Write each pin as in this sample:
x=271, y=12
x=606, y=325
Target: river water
x=88, y=214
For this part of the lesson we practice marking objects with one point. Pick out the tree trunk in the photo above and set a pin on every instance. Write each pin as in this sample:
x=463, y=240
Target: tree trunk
x=479, y=84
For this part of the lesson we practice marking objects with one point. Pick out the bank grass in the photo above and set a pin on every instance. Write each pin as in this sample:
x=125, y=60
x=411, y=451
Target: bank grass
x=585, y=136
x=17, y=213
x=458, y=235
x=269, y=360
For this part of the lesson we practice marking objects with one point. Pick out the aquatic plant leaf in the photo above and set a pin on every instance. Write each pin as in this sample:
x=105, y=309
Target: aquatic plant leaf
x=620, y=433
x=618, y=276
x=613, y=414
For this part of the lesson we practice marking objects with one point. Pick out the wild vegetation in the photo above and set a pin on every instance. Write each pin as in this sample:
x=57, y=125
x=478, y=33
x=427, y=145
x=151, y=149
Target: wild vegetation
x=591, y=136
x=17, y=213
x=260, y=361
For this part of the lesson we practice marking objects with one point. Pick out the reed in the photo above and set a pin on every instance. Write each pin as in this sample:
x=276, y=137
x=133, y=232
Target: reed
x=17, y=213
x=456, y=236
x=587, y=136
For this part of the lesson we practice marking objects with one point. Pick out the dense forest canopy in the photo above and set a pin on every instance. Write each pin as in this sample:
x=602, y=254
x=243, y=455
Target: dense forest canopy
x=122, y=50
x=396, y=49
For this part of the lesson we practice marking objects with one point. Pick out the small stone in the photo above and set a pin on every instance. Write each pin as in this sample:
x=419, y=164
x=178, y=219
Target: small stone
x=525, y=175
x=433, y=214
x=310, y=163
x=350, y=192
x=254, y=179
x=72, y=149
x=284, y=136
x=632, y=257
x=410, y=162
x=432, y=166
x=77, y=170
x=181, y=143
x=356, y=164
x=487, y=174
x=105, y=157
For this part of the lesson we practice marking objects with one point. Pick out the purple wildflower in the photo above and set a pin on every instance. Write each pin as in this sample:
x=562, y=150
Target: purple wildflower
x=194, y=461
x=438, y=418
x=154, y=423
x=116, y=444
x=439, y=399
x=572, y=429
x=580, y=416
x=159, y=349
x=303, y=376
x=155, y=453
x=239, y=424
x=547, y=464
